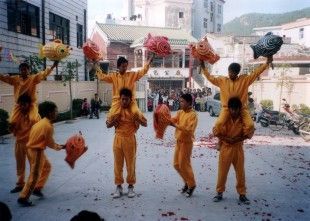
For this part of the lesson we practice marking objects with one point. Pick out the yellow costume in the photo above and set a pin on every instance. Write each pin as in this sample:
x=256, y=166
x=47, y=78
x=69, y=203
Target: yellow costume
x=237, y=88
x=119, y=81
x=186, y=123
x=25, y=86
x=231, y=154
x=41, y=135
x=22, y=134
x=124, y=148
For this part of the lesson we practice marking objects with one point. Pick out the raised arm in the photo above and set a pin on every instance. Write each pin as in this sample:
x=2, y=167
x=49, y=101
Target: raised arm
x=214, y=80
x=258, y=71
x=140, y=73
x=43, y=74
x=102, y=76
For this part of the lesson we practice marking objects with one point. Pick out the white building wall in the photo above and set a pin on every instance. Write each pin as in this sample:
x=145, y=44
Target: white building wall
x=294, y=34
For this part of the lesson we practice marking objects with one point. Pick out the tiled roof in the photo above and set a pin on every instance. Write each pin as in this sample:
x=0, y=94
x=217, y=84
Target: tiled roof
x=172, y=42
x=135, y=34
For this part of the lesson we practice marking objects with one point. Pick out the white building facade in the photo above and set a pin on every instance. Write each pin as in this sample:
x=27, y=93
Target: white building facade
x=24, y=25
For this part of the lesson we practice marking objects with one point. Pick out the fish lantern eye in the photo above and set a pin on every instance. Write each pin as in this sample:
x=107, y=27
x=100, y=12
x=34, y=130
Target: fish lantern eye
x=62, y=50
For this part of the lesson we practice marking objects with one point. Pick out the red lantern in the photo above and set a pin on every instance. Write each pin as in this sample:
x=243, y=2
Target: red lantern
x=75, y=147
x=203, y=51
x=92, y=51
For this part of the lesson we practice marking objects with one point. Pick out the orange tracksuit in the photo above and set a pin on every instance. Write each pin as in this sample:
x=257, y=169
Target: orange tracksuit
x=186, y=123
x=119, y=81
x=231, y=154
x=237, y=88
x=27, y=86
x=125, y=147
x=22, y=135
x=41, y=135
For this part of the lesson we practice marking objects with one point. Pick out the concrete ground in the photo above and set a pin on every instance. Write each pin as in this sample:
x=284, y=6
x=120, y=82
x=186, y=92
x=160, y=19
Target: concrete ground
x=277, y=175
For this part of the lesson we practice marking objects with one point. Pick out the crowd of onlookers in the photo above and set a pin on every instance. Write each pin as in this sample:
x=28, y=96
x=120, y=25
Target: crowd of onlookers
x=171, y=98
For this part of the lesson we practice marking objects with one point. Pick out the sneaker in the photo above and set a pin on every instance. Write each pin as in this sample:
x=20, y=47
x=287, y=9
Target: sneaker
x=184, y=189
x=38, y=193
x=131, y=193
x=244, y=200
x=189, y=191
x=24, y=202
x=218, y=197
x=118, y=192
x=16, y=189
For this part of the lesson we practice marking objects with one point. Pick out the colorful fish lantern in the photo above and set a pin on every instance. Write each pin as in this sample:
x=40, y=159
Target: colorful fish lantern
x=75, y=147
x=55, y=50
x=202, y=50
x=92, y=51
x=162, y=118
x=158, y=44
x=267, y=46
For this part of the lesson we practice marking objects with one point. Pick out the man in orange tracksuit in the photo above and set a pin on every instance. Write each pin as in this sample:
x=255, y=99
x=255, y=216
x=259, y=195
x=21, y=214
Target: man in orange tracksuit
x=21, y=132
x=123, y=79
x=41, y=135
x=234, y=86
x=25, y=84
x=185, y=123
x=125, y=146
x=231, y=150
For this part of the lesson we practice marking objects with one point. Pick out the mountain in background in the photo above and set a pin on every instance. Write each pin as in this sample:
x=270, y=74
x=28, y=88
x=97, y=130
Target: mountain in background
x=244, y=24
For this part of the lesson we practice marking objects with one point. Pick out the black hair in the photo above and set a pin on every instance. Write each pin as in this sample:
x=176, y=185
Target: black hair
x=46, y=108
x=188, y=98
x=5, y=213
x=24, y=99
x=121, y=60
x=24, y=64
x=234, y=68
x=85, y=215
x=126, y=92
x=234, y=103
x=160, y=100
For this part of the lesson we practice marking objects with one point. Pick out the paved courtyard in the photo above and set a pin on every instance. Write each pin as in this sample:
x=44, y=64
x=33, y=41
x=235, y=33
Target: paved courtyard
x=277, y=176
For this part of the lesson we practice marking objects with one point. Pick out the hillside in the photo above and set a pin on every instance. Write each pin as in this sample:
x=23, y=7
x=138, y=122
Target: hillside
x=244, y=24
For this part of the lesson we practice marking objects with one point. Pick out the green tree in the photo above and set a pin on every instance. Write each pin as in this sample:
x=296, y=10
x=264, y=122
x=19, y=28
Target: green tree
x=285, y=81
x=70, y=73
x=36, y=63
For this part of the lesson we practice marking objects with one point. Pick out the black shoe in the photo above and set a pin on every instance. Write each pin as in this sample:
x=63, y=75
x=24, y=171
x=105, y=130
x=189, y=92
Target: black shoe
x=244, y=200
x=16, y=189
x=184, y=189
x=218, y=197
x=189, y=191
x=38, y=193
x=24, y=202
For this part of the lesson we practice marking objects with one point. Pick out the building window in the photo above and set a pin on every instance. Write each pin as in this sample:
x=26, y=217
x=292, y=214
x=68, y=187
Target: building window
x=79, y=35
x=23, y=18
x=219, y=28
x=60, y=27
x=181, y=14
x=205, y=3
x=212, y=6
x=205, y=23
x=301, y=33
x=211, y=16
x=219, y=9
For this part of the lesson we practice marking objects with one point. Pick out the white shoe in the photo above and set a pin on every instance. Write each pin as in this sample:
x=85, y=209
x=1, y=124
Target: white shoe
x=118, y=192
x=131, y=193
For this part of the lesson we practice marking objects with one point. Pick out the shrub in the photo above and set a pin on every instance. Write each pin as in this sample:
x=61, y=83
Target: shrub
x=4, y=123
x=304, y=109
x=267, y=104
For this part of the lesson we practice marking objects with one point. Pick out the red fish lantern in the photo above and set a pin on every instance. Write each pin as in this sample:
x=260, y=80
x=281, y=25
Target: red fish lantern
x=203, y=51
x=162, y=119
x=92, y=51
x=75, y=147
x=158, y=44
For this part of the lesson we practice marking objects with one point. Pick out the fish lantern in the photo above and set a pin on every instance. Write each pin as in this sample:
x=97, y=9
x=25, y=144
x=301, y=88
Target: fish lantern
x=92, y=51
x=55, y=50
x=158, y=44
x=162, y=119
x=202, y=50
x=75, y=147
x=267, y=46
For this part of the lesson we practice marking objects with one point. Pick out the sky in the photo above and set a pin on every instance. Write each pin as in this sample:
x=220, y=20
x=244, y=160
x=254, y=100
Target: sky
x=98, y=9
